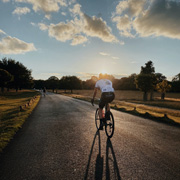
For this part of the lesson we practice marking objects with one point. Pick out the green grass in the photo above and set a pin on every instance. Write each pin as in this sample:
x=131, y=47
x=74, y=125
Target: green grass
x=11, y=118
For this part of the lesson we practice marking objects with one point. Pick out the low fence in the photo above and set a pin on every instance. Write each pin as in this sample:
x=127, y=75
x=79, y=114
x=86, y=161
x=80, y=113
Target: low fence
x=29, y=103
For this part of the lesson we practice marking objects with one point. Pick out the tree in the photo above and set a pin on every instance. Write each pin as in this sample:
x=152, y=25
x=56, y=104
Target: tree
x=70, y=82
x=5, y=77
x=89, y=83
x=144, y=83
x=22, y=76
x=176, y=83
x=160, y=77
x=126, y=83
x=39, y=84
x=148, y=68
x=176, y=78
x=163, y=87
x=52, y=83
x=146, y=80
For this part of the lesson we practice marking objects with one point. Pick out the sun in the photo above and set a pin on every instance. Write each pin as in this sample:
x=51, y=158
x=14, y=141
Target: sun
x=103, y=71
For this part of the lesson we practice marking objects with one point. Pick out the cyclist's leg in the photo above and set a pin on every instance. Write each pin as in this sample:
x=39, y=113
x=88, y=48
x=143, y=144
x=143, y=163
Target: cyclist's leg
x=100, y=113
x=101, y=106
x=102, y=103
x=109, y=100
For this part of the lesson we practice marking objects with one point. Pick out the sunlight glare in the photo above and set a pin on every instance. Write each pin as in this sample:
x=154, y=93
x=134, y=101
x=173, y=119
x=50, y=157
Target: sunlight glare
x=103, y=71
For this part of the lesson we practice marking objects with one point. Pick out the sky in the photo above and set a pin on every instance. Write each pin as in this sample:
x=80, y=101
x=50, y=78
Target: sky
x=88, y=37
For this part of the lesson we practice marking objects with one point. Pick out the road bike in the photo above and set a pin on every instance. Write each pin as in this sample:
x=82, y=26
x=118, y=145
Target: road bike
x=108, y=123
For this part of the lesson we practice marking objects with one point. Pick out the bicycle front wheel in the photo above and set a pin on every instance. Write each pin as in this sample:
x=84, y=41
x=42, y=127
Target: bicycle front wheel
x=97, y=120
x=109, y=128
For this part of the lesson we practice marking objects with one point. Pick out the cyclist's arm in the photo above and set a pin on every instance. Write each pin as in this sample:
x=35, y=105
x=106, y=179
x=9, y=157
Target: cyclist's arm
x=95, y=92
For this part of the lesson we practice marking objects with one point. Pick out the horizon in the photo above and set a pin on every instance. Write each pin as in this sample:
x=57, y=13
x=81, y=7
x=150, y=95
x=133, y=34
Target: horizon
x=82, y=38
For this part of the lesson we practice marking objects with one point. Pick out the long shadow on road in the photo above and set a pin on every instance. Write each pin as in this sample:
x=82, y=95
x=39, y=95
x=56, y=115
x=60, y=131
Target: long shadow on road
x=100, y=161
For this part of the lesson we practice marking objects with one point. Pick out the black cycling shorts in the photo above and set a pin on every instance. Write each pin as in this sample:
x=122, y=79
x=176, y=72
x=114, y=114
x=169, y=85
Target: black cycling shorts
x=106, y=97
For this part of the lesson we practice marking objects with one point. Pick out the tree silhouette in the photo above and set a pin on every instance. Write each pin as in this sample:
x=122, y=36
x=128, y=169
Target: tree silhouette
x=52, y=83
x=146, y=80
x=5, y=77
x=176, y=83
x=70, y=83
x=22, y=76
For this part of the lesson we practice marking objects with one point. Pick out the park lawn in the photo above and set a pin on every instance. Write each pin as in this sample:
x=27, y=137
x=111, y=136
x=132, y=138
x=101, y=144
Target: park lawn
x=11, y=118
x=131, y=101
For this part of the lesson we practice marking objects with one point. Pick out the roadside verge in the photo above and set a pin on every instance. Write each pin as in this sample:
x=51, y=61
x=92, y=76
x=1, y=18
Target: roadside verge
x=15, y=109
x=163, y=115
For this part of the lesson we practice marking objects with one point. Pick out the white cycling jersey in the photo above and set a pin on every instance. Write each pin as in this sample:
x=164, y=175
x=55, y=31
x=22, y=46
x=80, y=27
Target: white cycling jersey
x=104, y=85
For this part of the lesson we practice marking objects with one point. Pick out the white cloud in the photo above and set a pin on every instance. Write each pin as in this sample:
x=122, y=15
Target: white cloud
x=5, y=1
x=79, y=28
x=12, y=45
x=124, y=25
x=161, y=19
x=43, y=27
x=148, y=18
x=21, y=10
x=48, y=16
x=76, y=10
x=78, y=40
x=2, y=32
x=131, y=7
x=113, y=57
x=104, y=54
x=63, y=13
x=47, y=6
x=96, y=27
x=85, y=75
x=62, y=31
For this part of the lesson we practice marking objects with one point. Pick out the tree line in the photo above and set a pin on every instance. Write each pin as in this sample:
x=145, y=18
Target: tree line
x=14, y=74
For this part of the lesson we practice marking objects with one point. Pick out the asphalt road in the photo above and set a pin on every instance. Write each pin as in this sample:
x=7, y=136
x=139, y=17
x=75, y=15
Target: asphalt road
x=59, y=141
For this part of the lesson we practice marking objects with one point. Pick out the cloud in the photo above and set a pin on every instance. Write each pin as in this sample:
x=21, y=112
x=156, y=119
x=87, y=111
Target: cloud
x=2, y=32
x=63, y=31
x=76, y=10
x=12, y=45
x=46, y=6
x=42, y=26
x=96, y=27
x=21, y=10
x=131, y=7
x=104, y=54
x=161, y=19
x=124, y=25
x=78, y=40
x=113, y=57
x=78, y=29
x=63, y=13
x=148, y=18
x=85, y=75
x=5, y=1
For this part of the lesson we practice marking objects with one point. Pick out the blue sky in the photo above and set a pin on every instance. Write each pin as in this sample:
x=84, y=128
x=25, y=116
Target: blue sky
x=87, y=37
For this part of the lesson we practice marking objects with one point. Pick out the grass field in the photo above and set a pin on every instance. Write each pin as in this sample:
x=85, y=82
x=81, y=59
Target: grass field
x=131, y=101
x=11, y=118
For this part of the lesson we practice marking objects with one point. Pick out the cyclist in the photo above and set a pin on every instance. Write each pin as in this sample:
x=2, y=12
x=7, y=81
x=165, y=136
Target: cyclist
x=107, y=96
x=44, y=91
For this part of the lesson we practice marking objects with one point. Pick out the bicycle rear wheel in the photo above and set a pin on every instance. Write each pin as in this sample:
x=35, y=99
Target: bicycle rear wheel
x=97, y=120
x=109, y=128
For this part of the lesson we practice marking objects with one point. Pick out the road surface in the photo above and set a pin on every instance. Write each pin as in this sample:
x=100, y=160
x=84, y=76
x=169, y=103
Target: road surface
x=59, y=141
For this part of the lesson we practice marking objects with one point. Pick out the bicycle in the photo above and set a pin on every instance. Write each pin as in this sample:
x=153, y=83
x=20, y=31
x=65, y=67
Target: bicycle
x=108, y=123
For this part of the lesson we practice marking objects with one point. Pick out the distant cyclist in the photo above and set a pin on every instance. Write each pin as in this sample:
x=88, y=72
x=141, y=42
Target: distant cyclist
x=44, y=91
x=107, y=96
